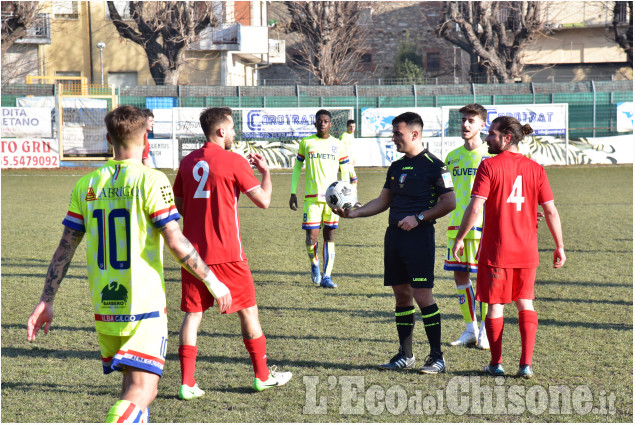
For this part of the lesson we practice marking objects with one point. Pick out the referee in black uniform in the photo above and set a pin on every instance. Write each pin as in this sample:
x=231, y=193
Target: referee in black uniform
x=418, y=190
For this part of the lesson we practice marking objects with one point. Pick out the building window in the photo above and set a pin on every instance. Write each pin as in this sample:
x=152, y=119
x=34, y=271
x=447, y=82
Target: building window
x=365, y=16
x=65, y=10
x=433, y=61
x=123, y=7
x=122, y=79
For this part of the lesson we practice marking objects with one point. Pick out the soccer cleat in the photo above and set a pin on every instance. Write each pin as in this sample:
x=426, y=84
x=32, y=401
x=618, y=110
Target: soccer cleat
x=188, y=393
x=316, y=277
x=483, y=342
x=525, y=371
x=433, y=364
x=467, y=338
x=399, y=361
x=276, y=379
x=327, y=282
x=494, y=369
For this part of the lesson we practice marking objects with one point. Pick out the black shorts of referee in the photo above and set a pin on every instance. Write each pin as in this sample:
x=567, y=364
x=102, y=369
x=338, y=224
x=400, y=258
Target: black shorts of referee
x=409, y=256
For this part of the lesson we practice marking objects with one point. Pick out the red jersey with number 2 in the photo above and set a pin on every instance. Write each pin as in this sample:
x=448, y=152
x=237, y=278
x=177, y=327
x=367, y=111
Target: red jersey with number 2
x=209, y=181
x=512, y=186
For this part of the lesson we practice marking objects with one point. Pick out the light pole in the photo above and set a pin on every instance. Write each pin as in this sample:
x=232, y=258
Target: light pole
x=101, y=46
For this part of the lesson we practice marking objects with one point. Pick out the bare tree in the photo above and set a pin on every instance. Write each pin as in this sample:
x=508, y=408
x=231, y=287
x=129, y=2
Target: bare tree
x=495, y=34
x=165, y=29
x=19, y=20
x=332, y=40
x=623, y=27
x=17, y=17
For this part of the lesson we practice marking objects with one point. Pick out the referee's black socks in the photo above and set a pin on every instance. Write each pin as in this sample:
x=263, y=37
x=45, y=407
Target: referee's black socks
x=432, y=323
x=405, y=320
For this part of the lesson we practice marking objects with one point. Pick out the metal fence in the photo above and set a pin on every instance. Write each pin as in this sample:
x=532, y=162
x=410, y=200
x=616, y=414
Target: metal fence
x=592, y=104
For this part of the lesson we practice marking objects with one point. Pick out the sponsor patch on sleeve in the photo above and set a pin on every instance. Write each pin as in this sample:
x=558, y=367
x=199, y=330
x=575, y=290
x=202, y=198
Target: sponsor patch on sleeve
x=447, y=180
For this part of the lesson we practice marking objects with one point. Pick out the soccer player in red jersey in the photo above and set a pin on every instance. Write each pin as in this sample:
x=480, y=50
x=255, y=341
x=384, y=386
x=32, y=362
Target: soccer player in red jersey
x=511, y=187
x=206, y=191
x=145, y=157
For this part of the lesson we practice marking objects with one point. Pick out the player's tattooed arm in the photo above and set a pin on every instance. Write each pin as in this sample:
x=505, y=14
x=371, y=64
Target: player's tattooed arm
x=183, y=250
x=60, y=262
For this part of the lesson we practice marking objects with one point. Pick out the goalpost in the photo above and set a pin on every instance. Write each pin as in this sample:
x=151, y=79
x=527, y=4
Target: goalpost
x=550, y=122
x=273, y=132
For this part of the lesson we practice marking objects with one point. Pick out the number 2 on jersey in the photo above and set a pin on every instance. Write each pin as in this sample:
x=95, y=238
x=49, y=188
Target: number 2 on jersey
x=201, y=179
x=516, y=197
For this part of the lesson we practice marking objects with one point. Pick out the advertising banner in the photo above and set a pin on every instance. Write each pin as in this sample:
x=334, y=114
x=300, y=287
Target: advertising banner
x=278, y=122
x=26, y=122
x=545, y=119
x=29, y=153
x=625, y=116
x=377, y=122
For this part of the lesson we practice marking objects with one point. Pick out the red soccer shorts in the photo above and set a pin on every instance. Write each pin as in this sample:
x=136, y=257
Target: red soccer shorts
x=497, y=285
x=236, y=276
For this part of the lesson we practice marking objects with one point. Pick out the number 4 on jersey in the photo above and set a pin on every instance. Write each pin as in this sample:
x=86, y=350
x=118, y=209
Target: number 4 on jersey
x=516, y=197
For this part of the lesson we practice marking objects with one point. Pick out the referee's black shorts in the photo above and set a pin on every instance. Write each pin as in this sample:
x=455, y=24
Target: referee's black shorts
x=409, y=256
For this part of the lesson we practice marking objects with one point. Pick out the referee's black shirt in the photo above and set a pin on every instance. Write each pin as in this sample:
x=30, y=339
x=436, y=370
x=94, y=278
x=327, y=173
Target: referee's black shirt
x=415, y=184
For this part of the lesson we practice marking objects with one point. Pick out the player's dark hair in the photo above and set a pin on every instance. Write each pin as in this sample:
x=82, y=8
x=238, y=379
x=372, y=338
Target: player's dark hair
x=410, y=118
x=474, y=109
x=148, y=112
x=349, y=122
x=212, y=118
x=125, y=123
x=322, y=112
x=510, y=125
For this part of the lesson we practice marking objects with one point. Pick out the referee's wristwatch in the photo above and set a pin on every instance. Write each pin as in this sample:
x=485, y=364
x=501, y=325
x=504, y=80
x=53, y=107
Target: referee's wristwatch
x=419, y=217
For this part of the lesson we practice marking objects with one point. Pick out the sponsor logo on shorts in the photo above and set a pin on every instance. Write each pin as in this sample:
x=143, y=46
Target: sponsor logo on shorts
x=420, y=279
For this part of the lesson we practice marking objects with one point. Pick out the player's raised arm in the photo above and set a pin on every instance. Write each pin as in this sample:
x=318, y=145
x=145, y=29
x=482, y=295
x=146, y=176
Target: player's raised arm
x=261, y=196
x=186, y=255
x=43, y=312
x=376, y=206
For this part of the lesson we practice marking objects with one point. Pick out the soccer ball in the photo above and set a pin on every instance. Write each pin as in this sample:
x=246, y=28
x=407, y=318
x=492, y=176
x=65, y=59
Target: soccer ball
x=341, y=194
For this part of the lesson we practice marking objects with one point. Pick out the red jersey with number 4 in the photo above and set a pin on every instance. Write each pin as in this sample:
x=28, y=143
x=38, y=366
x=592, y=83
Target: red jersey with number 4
x=512, y=186
x=209, y=182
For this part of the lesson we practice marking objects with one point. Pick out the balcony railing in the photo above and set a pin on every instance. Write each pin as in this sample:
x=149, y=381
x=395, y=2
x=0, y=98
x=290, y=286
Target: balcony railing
x=234, y=37
x=38, y=32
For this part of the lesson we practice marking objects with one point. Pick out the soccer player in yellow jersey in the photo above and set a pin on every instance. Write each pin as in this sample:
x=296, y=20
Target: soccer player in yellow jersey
x=323, y=155
x=124, y=208
x=347, y=138
x=463, y=163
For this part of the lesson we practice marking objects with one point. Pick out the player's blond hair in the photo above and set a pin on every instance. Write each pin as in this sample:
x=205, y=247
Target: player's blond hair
x=125, y=125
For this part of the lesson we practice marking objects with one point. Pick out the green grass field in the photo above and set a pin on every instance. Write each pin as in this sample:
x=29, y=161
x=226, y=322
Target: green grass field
x=333, y=340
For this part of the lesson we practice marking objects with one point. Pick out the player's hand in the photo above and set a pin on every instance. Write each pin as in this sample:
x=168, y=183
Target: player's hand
x=293, y=202
x=457, y=249
x=42, y=314
x=408, y=223
x=541, y=215
x=224, y=302
x=258, y=161
x=559, y=258
x=344, y=212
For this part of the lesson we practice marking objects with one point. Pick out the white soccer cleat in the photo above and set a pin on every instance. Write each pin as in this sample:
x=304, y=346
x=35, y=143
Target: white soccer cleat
x=276, y=379
x=467, y=338
x=483, y=342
